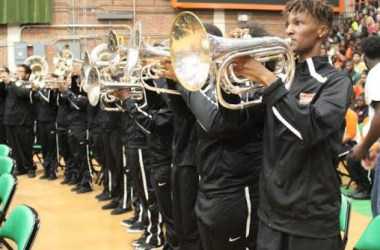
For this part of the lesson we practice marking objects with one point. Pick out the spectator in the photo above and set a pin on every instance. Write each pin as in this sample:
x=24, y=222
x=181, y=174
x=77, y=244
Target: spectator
x=359, y=65
x=360, y=85
x=361, y=108
x=351, y=73
x=371, y=25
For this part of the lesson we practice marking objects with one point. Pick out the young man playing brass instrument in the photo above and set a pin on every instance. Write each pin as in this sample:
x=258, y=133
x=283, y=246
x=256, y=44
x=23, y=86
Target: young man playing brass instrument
x=299, y=192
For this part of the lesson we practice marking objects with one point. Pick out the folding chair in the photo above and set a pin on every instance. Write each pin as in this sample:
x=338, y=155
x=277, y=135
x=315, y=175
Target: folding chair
x=370, y=239
x=344, y=218
x=21, y=226
x=6, y=165
x=8, y=184
x=4, y=150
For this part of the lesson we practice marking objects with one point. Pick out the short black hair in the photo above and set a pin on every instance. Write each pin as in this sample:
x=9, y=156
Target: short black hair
x=27, y=69
x=212, y=29
x=319, y=9
x=5, y=69
x=371, y=47
x=356, y=52
x=256, y=29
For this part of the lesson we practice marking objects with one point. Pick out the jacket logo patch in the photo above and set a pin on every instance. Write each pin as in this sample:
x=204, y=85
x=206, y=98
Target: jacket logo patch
x=306, y=98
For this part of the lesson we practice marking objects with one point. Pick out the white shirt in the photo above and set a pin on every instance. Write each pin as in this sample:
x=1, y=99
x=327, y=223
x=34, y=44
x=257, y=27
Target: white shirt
x=372, y=88
x=372, y=93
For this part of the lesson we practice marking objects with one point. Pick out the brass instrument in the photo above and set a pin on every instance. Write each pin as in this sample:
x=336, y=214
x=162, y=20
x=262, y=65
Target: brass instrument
x=195, y=55
x=139, y=50
x=39, y=68
x=64, y=62
x=106, y=56
x=100, y=88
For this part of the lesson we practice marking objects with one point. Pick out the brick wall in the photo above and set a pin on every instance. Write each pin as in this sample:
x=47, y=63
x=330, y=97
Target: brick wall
x=156, y=17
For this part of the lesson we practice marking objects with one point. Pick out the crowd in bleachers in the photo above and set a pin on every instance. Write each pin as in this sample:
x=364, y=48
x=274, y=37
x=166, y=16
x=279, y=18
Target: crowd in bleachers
x=343, y=48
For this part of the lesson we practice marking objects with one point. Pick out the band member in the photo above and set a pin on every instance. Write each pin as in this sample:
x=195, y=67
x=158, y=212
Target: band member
x=62, y=124
x=96, y=146
x=19, y=121
x=158, y=124
x=82, y=173
x=184, y=176
x=370, y=48
x=112, y=124
x=229, y=161
x=299, y=192
x=4, y=72
x=46, y=118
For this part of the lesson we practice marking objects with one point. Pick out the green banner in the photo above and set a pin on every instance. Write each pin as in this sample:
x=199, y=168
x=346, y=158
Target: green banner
x=25, y=11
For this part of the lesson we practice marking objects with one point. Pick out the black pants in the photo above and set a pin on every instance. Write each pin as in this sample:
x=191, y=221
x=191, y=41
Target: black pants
x=358, y=174
x=48, y=142
x=78, y=146
x=270, y=239
x=20, y=139
x=228, y=221
x=96, y=144
x=3, y=135
x=137, y=160
x=185, y=181
x=161, y=183
x=65, y=152
x=113, y=162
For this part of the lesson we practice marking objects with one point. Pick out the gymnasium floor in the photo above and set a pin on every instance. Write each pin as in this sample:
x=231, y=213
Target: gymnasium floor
x=70, y=221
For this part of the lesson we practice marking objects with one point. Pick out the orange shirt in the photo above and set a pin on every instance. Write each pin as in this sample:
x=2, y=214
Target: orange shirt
x=351, y=124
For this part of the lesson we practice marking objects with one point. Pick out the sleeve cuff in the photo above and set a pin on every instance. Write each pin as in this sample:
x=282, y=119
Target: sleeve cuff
x=274, y=92
x=128, y=104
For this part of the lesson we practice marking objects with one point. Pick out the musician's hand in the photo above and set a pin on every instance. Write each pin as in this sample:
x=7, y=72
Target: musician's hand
x=167, y=70
x=358, y=153
x=63, y=87
x=254, y=71
x=68, y=80
x=122, y=94
x=35, y=86
x=238, y=33
x=369, y=162
x=76, y=71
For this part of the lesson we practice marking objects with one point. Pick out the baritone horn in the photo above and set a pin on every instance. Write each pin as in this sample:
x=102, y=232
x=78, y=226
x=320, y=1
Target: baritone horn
x=39, y=68
x=138, y=50
x=195, y=55
x=100, y=88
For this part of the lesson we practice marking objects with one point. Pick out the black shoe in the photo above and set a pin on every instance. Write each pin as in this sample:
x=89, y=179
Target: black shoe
x=129, y=222
x=103, y=196
x=18, y=172
x=146, y=246
x=361, y=194
x=83, y=190
x=137, y=227
x=32, y=174
x=111, y=205
x=139, y=241
x=44, y=176
x=65, y=181
x=76, y=188
x=52, y=177
x=120, y=210
x=73, y=181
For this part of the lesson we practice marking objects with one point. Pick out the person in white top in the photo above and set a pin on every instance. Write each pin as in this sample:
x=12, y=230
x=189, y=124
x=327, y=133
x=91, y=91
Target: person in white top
x=371, y=50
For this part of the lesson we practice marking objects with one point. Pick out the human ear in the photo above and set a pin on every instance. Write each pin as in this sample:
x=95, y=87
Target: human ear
x=323, y=31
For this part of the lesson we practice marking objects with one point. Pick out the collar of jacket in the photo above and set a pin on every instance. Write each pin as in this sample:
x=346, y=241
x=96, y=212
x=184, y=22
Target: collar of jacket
x=317, y=61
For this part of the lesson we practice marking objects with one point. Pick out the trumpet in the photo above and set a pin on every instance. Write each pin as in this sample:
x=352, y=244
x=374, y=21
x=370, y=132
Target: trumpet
x=192, y=48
